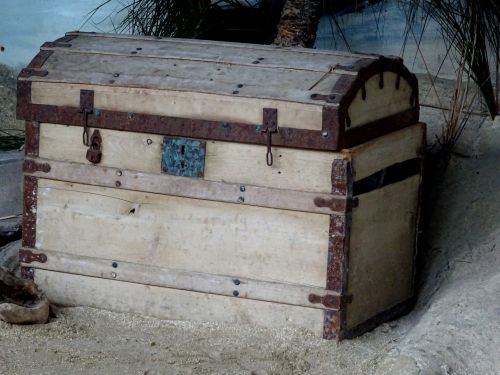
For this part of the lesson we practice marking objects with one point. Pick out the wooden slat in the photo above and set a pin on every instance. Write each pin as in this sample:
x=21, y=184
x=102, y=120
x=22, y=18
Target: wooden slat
x=293, y=169
x=182, y=233
x=186, y=187
x=172, y=103
x=74, y=290
x=396, y=147
x=291, y=294
x=382, y=248
x=208, y=76
x=228, y=53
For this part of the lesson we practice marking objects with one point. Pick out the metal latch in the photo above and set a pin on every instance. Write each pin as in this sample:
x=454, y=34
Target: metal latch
x=86, y=108
x=94, y=153
x=269, y=126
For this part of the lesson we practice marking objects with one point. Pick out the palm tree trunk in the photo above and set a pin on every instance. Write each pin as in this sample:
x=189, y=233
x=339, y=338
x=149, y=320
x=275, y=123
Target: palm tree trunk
x=298, y=23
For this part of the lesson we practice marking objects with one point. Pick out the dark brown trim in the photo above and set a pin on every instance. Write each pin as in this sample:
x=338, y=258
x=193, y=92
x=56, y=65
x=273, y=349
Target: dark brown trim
x=30, y=192
x=169, y=126
x=32, y=138
x=394, y=312
x=338, y=249
x=380, y=127
x=32, y=166
x=39, y=59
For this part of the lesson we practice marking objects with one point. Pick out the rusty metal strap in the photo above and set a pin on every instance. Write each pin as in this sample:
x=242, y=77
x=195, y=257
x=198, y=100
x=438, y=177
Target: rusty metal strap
x=28, y=256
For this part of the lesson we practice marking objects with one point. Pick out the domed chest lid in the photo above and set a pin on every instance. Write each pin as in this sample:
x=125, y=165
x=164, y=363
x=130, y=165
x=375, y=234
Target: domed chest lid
x=323, y=100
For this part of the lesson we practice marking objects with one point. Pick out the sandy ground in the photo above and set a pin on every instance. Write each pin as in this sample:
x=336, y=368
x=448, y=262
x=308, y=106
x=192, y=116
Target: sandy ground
x=454, y=328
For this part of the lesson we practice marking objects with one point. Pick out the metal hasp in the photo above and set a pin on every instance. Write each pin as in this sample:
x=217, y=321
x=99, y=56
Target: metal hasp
x=183, y=157
x=269, y=126
x=86, y=108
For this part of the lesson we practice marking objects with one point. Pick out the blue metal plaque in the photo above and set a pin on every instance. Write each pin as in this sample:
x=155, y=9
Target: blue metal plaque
x=183, y=157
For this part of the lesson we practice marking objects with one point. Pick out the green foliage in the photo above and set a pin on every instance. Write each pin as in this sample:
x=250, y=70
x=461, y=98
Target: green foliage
x=170, y=18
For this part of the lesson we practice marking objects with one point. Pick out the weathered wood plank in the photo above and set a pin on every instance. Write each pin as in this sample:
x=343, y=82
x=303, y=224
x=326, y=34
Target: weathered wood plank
x=232, y=286
x=188, y=187
x=207, y=75
x=182, y=233
x=228, y=53
x=382, y=249
x=382, y=152
x=74, y=290
x=380, y=102
x=195, y=105
x=293, y=169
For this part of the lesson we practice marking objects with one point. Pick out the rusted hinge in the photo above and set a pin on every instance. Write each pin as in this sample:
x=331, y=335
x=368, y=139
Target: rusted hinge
x=30, y=72
x=330, y=300
x=32, y=166
x=86, y=108
x=336, y=204
x=27, y=256
x=269, y=126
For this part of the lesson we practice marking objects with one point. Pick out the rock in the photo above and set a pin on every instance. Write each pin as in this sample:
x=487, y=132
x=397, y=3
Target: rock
x=21, y=302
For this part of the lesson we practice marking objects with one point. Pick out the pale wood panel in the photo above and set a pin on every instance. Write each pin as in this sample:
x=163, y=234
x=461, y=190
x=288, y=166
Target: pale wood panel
x=382, y=152
x=187, y=234
x=382, y=247
x=181, y=104
x=292, y=169
x=74, y=290
x=380, y=103
x=121, y=149
x=300, y=170
x=188, y=187
x=291, y=294
x=229, y=53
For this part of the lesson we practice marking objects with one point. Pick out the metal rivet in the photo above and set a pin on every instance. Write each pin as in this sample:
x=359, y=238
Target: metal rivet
x=242, y=188
x=97, y=113
x=240, y=85
x=241, y=199
x=236, y=293
x=236, y=92
x=113, y=275
x=111, y=81
x=138, y=48
x=149, y=141
x=114, y=265
x=118, y=184
x=255, y=62
x=116, y=75
x=133, y=52
x=260, y=58
x=118, y=173
x=324, y=134
x=236, y=282
x=130, y=115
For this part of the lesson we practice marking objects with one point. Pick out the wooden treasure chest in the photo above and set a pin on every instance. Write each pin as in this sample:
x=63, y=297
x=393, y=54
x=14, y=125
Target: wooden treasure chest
x=200, y=180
